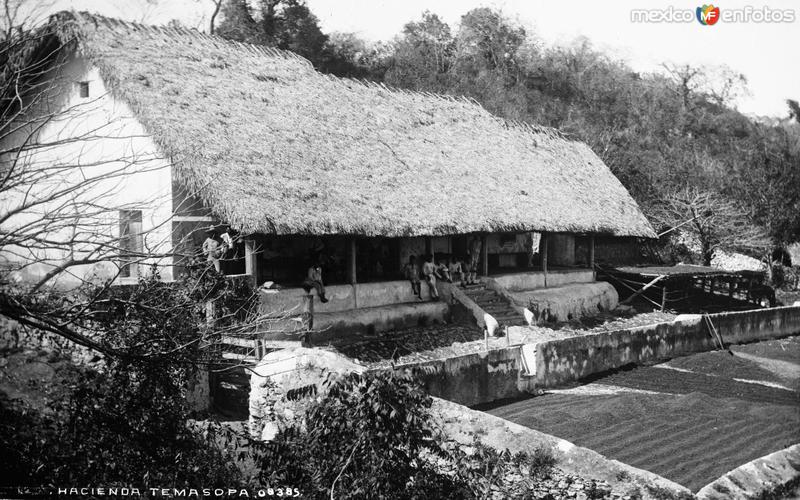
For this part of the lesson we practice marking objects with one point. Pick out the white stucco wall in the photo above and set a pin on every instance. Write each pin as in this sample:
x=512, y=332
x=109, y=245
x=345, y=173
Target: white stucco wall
x=98, y=143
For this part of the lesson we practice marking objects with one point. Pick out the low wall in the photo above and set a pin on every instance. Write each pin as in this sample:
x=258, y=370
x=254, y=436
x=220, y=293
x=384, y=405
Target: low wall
x=533, y=280
x=473, y=379
x=567, y=302
x=564, y=361
x=343, y=297
x=759, y=324
x=764, y=477
x=366, y=321
x=483, y=377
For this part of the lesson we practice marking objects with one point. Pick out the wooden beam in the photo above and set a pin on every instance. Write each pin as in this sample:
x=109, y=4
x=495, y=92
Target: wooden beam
x=641, y=290
x=251, y=260
x=484, y=256
x=544, y=257
x=351, y=260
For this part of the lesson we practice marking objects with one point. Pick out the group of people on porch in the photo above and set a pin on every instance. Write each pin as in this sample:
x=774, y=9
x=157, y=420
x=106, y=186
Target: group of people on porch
x=449, y=269
x=452, y=269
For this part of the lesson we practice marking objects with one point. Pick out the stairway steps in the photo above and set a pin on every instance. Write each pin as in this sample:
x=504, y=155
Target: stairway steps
x=495, y=305
x=238, y=341
x=239, y=357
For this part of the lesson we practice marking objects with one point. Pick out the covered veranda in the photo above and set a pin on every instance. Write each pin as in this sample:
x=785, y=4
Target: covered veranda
x=352, y=260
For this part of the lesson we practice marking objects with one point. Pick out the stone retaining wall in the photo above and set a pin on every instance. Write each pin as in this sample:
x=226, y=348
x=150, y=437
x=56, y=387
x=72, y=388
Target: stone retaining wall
x=484, y=377
x=563, y=361
x=356, y=323
x=474, y=378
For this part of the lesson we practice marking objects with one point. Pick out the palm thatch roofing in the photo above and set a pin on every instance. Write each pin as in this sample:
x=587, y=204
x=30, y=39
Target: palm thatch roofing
x=276, y=147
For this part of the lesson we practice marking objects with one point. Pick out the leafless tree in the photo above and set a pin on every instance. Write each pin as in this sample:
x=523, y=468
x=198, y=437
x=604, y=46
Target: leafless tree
x=214, y=13
x=63, y=241
x=712, y=220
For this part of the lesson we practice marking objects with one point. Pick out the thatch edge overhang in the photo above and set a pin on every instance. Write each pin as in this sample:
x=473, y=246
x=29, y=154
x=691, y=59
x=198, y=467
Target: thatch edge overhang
x=74, y=26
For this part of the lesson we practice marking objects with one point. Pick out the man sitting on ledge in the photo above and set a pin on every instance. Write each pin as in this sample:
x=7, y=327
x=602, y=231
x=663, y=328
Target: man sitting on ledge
x=314, y=280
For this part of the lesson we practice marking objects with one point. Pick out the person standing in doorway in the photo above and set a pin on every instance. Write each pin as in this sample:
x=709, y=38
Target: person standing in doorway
x=429, y=273
x=474, y=260
x=411, y=272
x=455, y=270
x=213, y=248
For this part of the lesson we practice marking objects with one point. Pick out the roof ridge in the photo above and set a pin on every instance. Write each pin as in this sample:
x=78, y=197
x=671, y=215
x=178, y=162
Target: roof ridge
x=180, y=32
x=173, y=32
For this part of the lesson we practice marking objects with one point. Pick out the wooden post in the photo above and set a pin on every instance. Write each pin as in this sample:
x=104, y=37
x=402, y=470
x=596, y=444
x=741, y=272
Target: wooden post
x=251, y=260
x=544, y=257
x=351, y=261
x=484, y=256
x=310, y=312
x=211, y=313
x=591, y=252
x=664, y=296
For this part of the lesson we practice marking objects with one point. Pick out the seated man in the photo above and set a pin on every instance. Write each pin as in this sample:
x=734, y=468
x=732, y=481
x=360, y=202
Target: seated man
x=455, y=270
x=443, y=271
x=314, y=280
x=411, y=272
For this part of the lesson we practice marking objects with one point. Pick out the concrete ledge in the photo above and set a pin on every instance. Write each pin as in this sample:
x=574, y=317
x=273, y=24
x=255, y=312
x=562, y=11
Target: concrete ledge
x=483, y=377
x=533, y=280
x=342, y=297
x=760, y=477
x=473, y=379
x=562, y=361
x=357, y=322
x=566, y=302
x=451, y=292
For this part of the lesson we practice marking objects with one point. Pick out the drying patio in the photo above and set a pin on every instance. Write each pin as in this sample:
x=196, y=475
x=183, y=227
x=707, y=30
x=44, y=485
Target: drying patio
x=690, y=420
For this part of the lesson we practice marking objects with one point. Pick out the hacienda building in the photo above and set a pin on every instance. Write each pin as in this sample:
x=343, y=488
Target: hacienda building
x=297, y=164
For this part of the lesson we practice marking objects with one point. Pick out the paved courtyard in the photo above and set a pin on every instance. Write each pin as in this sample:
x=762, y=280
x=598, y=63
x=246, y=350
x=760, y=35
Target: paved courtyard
x=690, y=420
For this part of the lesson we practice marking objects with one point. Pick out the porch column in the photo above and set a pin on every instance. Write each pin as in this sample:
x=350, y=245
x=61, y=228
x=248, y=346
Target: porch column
x=544, y=257
x=484, y=256
x=351, y=260
x=591, y=252
x=251, y=260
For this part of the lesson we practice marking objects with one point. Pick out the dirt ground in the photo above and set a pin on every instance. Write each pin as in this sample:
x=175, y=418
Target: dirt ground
x=439, y=341
x=690, y=420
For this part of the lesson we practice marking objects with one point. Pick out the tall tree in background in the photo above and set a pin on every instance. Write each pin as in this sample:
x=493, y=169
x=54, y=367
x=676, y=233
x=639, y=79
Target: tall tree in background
x=285, y=24
x=422, y=55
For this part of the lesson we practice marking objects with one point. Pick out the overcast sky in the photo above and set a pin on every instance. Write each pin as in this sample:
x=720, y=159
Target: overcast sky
x=766, y=53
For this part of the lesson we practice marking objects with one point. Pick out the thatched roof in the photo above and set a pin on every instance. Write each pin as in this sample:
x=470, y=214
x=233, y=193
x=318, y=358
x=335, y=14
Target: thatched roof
x=277, y=147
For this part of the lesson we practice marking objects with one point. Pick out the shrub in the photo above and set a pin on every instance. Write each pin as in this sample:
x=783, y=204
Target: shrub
x=367, y=439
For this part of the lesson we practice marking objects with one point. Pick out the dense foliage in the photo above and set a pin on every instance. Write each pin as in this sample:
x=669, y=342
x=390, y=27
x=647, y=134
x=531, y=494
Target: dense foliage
x=373, y=436
x=125, y=419
x=366, y=439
